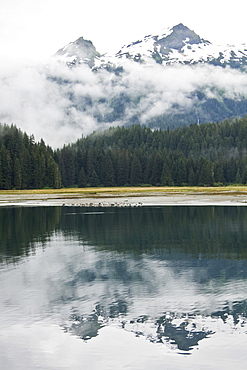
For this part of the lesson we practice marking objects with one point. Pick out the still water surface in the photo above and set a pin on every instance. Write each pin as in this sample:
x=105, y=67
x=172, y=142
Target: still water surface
x=123, y=288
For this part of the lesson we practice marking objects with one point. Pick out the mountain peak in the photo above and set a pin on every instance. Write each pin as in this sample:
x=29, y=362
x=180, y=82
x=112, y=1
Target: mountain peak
x=79, y=51
x=179, y=36
x=175, y=45
x=176, y=38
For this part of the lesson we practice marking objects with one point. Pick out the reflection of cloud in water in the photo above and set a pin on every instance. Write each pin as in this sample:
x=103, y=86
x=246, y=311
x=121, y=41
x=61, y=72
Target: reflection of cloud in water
x=146, y=285
x=172, y=298
x=146, y=296
x=67, y=271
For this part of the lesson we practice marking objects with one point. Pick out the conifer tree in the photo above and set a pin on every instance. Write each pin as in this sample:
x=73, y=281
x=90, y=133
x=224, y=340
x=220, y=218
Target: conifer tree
x=136, y=177
x=166, y=177
x=205, y=175
x=17, y=176
x=108, y=171
x=122, y=169
x=82, y=182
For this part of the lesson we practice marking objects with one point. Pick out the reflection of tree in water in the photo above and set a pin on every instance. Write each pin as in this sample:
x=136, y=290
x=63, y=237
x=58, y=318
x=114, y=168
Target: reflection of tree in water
x=200, y=231
x=196, y=235
x=22, y=227
x=128, y=245
x=171, y=231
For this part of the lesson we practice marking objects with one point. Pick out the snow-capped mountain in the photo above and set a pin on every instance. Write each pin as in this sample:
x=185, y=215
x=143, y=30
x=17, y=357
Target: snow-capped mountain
x=181, y=45
x=176, y=45
x=80, y=51
x=169, y=79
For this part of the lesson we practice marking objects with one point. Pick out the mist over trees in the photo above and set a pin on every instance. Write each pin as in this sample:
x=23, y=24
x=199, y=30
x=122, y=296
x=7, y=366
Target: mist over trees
x=71, y=101
x=206, y=155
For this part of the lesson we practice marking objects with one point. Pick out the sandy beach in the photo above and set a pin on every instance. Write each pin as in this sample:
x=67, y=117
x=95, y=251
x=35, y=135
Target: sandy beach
x=128, y=198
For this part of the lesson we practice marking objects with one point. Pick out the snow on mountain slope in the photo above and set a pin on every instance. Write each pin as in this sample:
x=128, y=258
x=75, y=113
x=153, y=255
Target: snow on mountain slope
x=168, y=79
x=181, y=45
x=176, y=45
x=80, y=51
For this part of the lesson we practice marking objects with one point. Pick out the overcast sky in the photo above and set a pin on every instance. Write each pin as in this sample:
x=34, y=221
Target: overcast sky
x=38, y=28
x=33, y=30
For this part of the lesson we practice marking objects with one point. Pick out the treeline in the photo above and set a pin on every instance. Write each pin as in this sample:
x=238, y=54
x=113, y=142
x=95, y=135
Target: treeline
x=25, y=164
x=204, y=155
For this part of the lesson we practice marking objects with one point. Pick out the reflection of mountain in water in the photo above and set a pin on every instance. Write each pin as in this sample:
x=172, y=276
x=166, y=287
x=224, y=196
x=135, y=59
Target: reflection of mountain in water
x=180, y=332
x=206, y=241
x=167, y=273
x=183, y=336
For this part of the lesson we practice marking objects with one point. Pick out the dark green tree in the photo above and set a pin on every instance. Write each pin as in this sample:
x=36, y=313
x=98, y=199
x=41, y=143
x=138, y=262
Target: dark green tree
x=157, y=169
x=82, y=182
x=123, y=168
x=205, y=173
x=136, y=177
x=108, y=171
x=17, y=175
x=166, y=177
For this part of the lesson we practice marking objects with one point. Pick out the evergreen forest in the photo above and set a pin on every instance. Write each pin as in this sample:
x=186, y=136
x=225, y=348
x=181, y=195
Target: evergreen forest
x=210, y=154
x=25, y=164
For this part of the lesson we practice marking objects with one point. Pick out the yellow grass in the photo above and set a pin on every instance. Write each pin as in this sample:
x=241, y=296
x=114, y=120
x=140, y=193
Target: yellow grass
x=133, y=190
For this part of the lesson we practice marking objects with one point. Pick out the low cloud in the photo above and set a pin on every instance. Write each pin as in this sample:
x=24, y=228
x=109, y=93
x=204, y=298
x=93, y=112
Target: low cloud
x=60, y=104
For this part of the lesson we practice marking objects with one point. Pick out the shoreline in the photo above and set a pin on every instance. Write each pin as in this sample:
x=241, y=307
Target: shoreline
x=125, y=198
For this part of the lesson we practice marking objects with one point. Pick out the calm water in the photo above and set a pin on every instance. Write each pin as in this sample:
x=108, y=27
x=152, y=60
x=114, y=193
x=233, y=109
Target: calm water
x=107, y=288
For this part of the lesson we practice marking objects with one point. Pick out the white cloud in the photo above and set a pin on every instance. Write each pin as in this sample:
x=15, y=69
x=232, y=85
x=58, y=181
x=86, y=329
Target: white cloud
x=49, y=101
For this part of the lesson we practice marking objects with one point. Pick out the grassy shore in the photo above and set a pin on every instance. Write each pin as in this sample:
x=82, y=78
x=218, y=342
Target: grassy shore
x=118, y=191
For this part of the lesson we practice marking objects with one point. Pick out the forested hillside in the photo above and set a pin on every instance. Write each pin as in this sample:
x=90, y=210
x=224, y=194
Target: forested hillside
x=208, y=154
x=205, y=155
x=25, y=164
